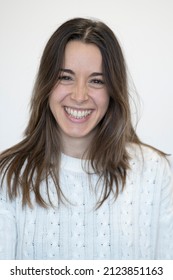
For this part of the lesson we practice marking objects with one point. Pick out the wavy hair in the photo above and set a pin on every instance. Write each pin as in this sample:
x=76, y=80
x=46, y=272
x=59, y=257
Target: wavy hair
x=37, y=156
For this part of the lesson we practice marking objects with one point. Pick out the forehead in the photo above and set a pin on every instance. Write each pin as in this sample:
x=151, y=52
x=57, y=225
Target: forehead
x=82, y=54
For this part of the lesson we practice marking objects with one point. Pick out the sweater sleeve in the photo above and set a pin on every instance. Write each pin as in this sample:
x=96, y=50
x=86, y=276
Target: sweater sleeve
x=7, y=226
x=165, y=228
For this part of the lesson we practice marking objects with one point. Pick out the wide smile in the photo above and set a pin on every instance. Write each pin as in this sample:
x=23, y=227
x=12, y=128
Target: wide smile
x=78, y=114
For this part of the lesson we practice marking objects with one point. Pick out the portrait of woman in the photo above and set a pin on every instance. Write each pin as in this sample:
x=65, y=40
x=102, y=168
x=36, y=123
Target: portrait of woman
x=81, y=184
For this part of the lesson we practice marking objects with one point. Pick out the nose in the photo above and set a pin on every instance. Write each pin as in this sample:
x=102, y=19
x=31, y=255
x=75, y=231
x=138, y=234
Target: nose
x=80, y=93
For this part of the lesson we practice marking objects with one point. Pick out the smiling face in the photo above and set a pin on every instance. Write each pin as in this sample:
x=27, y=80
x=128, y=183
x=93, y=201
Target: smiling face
x=79, y=100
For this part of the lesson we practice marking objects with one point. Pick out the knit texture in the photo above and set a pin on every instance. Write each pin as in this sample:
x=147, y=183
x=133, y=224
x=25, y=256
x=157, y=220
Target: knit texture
x=138, y=225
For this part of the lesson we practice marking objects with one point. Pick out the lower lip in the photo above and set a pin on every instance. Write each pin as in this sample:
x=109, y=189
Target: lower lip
x=75, y=120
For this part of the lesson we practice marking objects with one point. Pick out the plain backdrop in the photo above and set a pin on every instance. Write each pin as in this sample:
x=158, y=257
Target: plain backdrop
x=145, y=31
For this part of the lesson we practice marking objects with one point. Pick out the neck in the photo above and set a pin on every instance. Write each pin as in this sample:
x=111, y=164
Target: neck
x=75, y=147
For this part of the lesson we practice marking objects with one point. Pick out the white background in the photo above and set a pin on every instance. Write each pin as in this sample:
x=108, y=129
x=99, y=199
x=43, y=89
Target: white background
x=144, y=29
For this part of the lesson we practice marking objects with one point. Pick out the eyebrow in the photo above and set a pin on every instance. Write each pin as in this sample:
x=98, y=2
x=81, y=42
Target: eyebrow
x=73, y=73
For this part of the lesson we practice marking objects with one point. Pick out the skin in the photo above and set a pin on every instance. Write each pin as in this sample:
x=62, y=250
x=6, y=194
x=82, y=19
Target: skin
x=80, y=99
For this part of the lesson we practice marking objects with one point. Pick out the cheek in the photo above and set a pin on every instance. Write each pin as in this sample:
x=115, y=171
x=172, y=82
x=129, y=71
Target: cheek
x=57, y=95
x=54, y=102
x=54, y=99
x=103, y=101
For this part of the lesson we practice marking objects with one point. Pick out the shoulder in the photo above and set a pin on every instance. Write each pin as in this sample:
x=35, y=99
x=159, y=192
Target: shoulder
x=145, y=154
x=148, y=160
x=151, y=172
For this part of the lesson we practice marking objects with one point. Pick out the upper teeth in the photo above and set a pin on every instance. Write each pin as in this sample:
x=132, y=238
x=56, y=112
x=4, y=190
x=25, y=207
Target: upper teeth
x=77, y=113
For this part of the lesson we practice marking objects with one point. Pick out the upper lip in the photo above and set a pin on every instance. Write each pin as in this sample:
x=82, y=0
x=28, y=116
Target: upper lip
x=79, y=108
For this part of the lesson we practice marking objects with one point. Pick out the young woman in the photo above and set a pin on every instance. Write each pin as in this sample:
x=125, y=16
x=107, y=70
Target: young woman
x=81, y=185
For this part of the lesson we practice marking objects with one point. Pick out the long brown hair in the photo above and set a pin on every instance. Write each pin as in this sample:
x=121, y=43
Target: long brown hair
x=37, y=156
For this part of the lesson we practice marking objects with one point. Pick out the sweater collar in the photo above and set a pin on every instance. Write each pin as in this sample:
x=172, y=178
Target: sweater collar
x=75, y=164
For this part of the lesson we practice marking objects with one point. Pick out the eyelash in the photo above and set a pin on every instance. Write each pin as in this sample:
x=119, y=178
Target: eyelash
x=65, y=77
x=97, y=81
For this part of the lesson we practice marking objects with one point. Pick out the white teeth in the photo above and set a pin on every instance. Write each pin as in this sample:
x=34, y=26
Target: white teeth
x=78, y=114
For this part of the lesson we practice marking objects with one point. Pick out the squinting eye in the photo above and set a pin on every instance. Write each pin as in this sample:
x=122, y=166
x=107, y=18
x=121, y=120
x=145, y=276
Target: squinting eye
x=64, y=78
x=97, y=83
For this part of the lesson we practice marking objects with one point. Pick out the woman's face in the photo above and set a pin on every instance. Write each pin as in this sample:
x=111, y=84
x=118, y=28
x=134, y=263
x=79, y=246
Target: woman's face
x=80, y=99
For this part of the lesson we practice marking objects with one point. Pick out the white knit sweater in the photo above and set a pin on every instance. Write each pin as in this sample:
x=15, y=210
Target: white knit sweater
x=138, y=225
